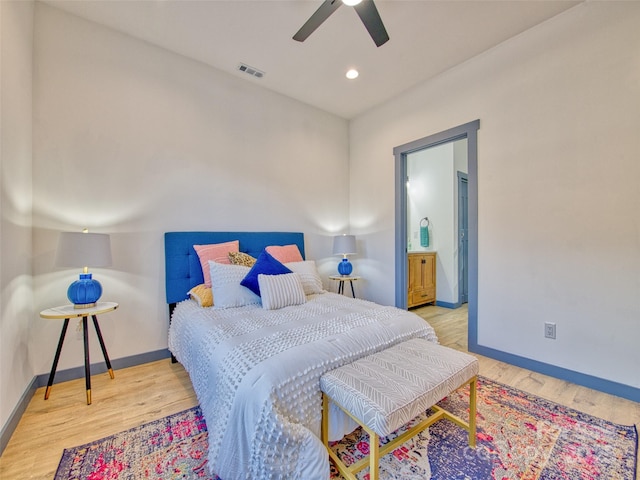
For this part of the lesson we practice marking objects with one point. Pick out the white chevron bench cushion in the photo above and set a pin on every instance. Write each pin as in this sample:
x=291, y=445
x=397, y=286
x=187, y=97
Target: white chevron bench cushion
x=389, y=388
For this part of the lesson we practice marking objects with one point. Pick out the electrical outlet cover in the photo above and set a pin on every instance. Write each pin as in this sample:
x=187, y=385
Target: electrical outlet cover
x=550, y=330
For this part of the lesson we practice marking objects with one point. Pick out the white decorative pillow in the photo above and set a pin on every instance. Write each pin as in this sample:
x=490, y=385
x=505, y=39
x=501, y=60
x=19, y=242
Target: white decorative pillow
x=311, y=281
x=278, y=291
x=226, y=288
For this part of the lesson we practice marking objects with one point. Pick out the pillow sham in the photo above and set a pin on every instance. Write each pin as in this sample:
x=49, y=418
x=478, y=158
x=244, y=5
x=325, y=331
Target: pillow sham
x=266, y=265
x=226, y=288
x=309, y=277
x=202, y=295
x=279, y=291
x=217, y=252
x=285, y=253
x=241, y=258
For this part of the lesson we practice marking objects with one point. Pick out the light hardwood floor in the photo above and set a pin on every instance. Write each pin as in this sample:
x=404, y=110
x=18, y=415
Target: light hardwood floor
x=146, y=392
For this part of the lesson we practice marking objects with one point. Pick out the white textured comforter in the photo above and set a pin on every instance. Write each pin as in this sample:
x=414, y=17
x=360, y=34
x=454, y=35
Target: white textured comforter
x=256, y=375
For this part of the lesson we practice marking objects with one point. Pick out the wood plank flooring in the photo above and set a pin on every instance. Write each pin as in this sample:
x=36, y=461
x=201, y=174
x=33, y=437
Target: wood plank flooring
x=136, y=396
x=146, y=392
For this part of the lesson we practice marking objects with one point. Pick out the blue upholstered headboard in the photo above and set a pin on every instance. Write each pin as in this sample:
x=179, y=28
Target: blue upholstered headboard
x=182, y=266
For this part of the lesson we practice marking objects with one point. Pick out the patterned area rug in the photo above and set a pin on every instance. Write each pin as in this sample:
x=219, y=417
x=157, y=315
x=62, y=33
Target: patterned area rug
x=520, y=436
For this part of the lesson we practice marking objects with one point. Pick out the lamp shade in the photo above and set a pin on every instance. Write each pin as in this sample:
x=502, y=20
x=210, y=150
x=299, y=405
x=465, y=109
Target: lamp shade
x=78, y=249
x=344, y=245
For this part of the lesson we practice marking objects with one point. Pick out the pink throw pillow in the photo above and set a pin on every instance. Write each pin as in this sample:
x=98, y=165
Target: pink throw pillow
x=217, y=252
x=285, y=254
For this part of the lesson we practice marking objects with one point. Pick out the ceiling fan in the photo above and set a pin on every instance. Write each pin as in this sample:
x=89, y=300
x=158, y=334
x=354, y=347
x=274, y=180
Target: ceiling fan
x=365, y=9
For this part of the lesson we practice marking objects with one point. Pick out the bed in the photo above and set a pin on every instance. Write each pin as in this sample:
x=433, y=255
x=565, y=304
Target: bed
x=256, y=371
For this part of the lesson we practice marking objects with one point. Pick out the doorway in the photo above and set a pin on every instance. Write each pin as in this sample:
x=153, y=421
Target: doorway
x=468, y=131
x=433, y=218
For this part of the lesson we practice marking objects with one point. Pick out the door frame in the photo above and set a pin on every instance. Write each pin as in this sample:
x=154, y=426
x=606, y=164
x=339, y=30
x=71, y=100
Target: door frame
x=463, y=255
x=470, y=132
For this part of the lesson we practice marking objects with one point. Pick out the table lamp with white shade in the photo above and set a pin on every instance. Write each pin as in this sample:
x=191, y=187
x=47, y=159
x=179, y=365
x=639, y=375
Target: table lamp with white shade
x=344, y=245
x=83, y=249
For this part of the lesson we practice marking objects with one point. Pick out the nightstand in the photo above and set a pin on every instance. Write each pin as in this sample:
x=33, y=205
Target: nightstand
x=344, y=278
x=67, y=312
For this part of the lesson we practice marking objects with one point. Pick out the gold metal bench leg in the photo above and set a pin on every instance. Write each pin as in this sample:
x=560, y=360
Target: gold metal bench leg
x=324, y=429
x=374, y=454
x=324, y=436
x=472, y=412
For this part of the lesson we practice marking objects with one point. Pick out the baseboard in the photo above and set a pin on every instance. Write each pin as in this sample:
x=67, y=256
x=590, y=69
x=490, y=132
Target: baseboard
x=596, y=383
x=78, y=372
x=66, y=375
x=12, y=423
x=452, y=306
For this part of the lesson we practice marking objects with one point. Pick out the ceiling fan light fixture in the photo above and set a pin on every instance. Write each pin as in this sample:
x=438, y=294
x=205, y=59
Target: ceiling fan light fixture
x=352, y=74
x=367, y=12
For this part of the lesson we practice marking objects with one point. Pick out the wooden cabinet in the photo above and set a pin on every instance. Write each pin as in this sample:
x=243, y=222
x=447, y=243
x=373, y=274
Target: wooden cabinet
x=422, y=278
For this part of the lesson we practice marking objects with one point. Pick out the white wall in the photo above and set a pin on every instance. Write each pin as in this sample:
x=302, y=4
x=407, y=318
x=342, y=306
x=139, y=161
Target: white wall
x=132, y=140
x=558, y=201
x=16, y=291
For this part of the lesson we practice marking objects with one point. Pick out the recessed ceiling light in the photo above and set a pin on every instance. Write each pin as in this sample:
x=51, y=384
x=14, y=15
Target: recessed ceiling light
x=353, y=73
x=351, y=3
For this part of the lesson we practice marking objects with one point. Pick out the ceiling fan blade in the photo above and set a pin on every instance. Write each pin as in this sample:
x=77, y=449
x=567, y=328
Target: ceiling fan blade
x=369, y=15
x=320, y=15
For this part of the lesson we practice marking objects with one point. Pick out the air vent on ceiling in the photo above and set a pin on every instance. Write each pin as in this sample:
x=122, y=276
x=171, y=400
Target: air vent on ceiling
x=251, y=70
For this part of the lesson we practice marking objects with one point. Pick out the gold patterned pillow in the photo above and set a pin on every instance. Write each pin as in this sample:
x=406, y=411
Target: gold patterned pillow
x=202, y=294
x=240, y=258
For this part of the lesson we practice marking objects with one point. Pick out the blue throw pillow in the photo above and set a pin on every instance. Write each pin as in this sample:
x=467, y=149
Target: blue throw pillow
x=265, y=265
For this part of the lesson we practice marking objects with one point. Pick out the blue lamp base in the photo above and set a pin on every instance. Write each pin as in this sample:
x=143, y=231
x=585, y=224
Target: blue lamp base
x=85, y=292
x=345, y=267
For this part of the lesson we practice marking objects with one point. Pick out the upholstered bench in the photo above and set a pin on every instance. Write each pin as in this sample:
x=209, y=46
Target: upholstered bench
x=386, y=390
